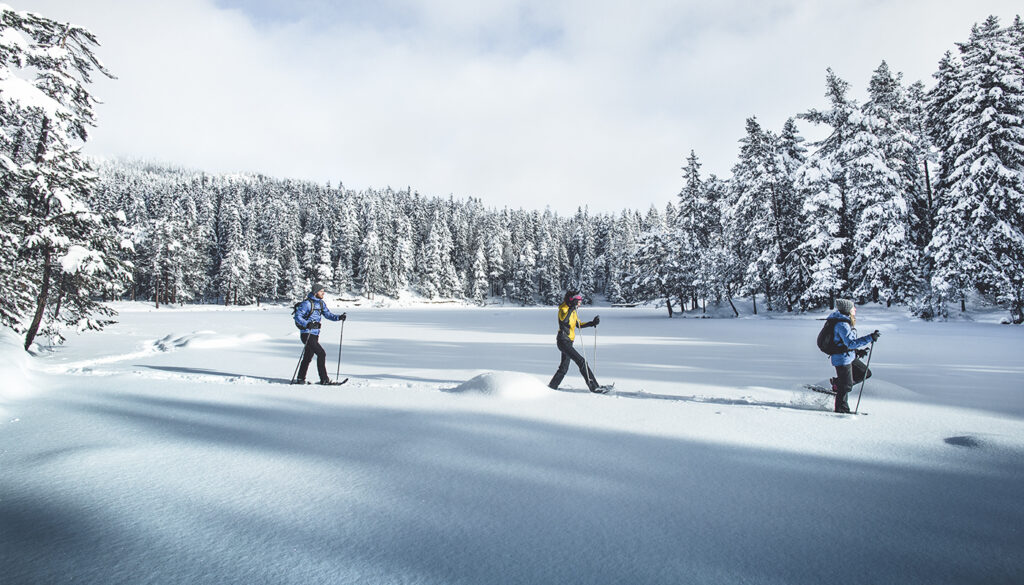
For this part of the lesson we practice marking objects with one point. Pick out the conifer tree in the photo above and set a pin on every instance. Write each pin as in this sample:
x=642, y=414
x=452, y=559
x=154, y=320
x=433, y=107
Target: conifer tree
x=655, y=263
x=829, y=209
x=57, y=252
x=478, y=276
x=882, y=176
x=978, y=237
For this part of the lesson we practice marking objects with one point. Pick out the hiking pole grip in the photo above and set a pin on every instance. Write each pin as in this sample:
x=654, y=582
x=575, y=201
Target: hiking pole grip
x=867, y=370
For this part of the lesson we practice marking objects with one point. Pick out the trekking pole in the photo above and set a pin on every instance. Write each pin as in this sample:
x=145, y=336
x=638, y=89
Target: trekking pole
x=865, y=380
x=301, y=356
x=337, y=373
x=586, y=363
x=595, y=347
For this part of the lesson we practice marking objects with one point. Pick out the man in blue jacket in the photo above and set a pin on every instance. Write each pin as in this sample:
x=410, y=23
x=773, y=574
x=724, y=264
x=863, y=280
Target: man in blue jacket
x=849, y=369
x=308, y=315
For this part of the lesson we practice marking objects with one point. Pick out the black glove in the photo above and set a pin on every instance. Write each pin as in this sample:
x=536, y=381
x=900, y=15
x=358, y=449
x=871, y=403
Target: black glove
x=875, y=335
x=343, y=316
x=596, y=321
x=861, y=353
x=313, y=325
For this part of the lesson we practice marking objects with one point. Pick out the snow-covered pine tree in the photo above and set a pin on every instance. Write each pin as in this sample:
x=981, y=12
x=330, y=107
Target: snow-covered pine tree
x=478, y=276
x=345, y=244
x=371, y=260
x=692, y=231
x=495, y=260
x=57, y=252
x=525, y=278
x=235, y=271
x=404, y=255
x=720, y=269
x=790, y=155
x=764, y=201
x=829, y=211
x=881, y=175
x=437, y=273
x=583, y=254
x=548, y=270
x=655, y=262
x=978, y=236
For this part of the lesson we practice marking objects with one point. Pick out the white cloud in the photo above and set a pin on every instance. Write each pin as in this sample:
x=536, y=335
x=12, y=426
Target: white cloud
x=521, y=103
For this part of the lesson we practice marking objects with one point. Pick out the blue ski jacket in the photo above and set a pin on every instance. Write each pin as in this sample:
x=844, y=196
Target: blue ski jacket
x=313, y=310
x=844, y=336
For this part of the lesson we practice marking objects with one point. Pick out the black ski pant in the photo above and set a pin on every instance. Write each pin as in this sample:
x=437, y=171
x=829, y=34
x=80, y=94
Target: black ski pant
x=569, y=353
x=312, y=347
x=846, y=377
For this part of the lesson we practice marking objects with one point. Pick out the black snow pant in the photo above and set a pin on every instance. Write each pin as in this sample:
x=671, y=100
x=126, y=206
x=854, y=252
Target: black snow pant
x=569, y=353
x=313, y=347
x=846, y=377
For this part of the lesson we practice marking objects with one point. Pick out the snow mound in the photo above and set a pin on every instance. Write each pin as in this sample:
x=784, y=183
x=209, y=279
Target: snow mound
x=506, y=385
x=15, y=368
x=206, y=340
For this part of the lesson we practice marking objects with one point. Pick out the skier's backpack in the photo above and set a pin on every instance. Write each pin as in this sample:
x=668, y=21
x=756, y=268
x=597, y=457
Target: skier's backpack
x=295, y=309
x=827, y=338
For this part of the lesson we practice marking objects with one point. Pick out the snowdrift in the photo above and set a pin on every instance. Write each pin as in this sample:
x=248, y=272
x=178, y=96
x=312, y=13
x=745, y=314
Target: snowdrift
x=504, y=385
x=16, y=380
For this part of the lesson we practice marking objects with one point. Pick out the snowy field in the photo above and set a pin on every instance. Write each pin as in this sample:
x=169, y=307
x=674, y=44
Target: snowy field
x=169, y=449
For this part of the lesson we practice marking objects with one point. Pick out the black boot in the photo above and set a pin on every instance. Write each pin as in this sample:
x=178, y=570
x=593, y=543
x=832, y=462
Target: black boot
x=842, y=406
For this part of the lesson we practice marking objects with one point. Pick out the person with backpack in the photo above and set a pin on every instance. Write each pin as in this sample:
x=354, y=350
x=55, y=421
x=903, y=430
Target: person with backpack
x=308, y=316
x=845, y=350
x=568, y=321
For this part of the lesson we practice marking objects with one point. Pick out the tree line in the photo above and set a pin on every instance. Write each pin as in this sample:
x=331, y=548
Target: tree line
x=916, y=197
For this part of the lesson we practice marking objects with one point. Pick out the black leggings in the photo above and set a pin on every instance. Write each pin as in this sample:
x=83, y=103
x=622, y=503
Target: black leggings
x=312, y=345
x=569, y=353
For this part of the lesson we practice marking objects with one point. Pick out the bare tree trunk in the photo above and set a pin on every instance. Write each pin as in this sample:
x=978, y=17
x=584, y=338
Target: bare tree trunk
x=60, y=299
x=41, y=298
x=728, y=295
x=668, y=303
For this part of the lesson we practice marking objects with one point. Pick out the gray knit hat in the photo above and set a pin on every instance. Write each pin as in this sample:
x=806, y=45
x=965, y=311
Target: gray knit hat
x=845, y=306
x=317, y=287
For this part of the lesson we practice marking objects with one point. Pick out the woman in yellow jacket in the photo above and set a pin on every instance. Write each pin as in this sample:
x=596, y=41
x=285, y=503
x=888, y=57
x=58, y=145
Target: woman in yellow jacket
x=568, y=321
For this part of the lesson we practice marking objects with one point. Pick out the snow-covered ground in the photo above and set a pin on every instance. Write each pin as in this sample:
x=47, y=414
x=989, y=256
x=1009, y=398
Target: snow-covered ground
x=170, y=449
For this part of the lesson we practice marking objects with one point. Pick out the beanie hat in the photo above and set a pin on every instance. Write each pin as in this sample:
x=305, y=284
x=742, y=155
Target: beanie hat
x=317, y=287
x=845, y=306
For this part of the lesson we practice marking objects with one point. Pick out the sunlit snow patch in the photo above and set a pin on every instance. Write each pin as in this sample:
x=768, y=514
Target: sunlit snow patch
x=507, y=385
x=15, y=368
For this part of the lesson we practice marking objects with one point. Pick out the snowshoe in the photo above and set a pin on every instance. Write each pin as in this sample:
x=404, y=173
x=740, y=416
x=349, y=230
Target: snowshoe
x=330, y=382
x=821, y=389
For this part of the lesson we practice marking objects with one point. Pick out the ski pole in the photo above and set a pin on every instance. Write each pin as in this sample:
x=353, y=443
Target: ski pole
x=865, y=380
x=305, y=346
x=586, y=363
x=337, y=373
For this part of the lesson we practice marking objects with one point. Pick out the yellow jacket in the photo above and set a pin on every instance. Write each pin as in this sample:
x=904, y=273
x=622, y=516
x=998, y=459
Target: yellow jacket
x=568, y=321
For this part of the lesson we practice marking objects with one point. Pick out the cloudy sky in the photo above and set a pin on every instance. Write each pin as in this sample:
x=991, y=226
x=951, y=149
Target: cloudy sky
x=524, y=103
